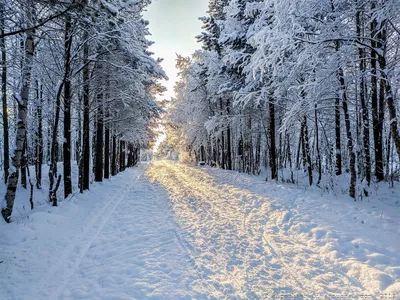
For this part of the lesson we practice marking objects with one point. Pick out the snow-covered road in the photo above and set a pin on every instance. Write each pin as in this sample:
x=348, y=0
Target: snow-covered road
x=118, y=241
x=249, y=244
x=168, y=231
x=133, y=252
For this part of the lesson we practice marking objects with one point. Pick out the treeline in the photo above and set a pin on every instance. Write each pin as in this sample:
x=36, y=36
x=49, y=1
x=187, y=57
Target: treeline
x=78, y=86
x=293, y=85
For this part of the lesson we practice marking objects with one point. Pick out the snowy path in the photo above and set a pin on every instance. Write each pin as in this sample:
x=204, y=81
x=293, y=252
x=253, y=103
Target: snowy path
x=132, y=253
x=168, y=231
x=247, y=245
x=118, y=241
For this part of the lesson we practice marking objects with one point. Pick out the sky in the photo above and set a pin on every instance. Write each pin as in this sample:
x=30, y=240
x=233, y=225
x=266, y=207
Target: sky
x=174, y=25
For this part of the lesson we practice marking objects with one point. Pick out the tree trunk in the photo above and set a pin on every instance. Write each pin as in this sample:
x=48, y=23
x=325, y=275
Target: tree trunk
x=258, y=153
x=299, y=145
x=338, y=138
x=6, y=147
x=54, y=144
x=23, y=166
x=121, y=156
x=22, y=114
x=338, y=170
x=377, y=122
x=385, y=84
x=289, y=153
x=353, y=176
x=79, y=154
x=319, y=164
x=228, y=138
x=272, y=146
x=364, y=105
x=86, y=114
x=114, y=156
x=99, y=140
x=306, y=150
x=107, y=151
x=39, y=146
x=67, y=110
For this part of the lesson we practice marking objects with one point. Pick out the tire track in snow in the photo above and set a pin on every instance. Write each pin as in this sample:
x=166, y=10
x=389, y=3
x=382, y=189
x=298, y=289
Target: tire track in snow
x=137, y=254
x=185, y=247
x=233, y=241
x=203, y=273
x=77, y=250
x=224, y=247
x=273, y=250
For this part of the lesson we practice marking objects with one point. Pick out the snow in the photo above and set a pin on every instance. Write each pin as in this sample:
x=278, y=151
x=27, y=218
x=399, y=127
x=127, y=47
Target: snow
x=128, y=3
x=262, y=238
x=111, y=8
x=117, y=241
x=168, y=231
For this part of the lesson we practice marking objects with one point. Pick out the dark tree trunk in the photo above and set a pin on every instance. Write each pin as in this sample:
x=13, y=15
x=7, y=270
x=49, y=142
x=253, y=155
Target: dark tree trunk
x=258, y=153
x=338, y=170
x=218, y=152
x=130, y=155
x=86, y=115
x=94, y=142
x=376, y=115
x=67, y=110
x=393, y=119
x=281, y=152
x=319, y=164
x=306, y=150
x=107, y=151
x=289, y=153
x=364, y=105
x=31, y=187
x=114, y=156
x=223, y=151
x=223, y=146
x=99, y=140
x=6, y=146
x=338, y=138
x=386, y=90
x=353, y=175
x=79, y=154
x=121, y=156
x=228, y=137
x=48, y=144
x=54, y=144
x=137, y=155
x=388, y=152
x=39, y=146
x=272, y=146
x=299, y=145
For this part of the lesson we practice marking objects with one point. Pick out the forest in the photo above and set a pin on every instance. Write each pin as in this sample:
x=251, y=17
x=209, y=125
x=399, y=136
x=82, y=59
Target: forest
x=78, y=87
x=283, y=86
x=289, y=86
x=270, y=171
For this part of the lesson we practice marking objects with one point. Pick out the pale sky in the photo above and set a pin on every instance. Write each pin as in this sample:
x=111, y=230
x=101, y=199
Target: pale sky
x=174, y=25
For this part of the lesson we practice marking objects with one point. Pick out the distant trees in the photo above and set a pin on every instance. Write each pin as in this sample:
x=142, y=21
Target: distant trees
x=309, y=85
x=74, y=72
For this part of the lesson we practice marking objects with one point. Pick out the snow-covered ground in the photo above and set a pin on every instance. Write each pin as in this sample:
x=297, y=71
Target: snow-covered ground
x=169, y=231
x=118, y=241
x=249, y=238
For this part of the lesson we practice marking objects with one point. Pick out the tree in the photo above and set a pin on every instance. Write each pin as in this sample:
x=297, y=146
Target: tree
x=66, y=80
x=22, y=100
x=264, y=74
x=6, y=147
x=67, y=109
